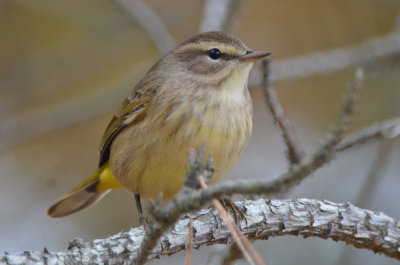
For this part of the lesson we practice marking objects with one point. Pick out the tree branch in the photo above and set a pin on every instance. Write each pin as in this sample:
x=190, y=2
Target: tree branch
x=294, y=151
x=387, y=129
x=368, y=188
x=151, y=22
x=361, y=228
x=330, y=61
x=220, y=14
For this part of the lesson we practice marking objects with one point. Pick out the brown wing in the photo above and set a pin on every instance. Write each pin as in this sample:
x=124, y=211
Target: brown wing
x=129, y=111
x=132, y=108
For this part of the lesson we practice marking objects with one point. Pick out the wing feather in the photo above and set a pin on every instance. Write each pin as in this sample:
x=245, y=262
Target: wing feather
x=130, y=110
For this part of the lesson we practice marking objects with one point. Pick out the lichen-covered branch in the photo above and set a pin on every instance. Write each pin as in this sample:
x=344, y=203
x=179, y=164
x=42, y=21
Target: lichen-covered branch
x=361, y=228
x=369, y=187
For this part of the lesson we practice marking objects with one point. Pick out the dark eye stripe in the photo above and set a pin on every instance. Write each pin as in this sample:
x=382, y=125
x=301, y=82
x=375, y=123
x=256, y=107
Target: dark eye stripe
x=194, y=53
x=223, y=55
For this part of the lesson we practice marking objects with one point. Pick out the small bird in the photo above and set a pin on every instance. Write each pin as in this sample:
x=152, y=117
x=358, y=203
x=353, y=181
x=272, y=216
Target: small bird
x=197, y=93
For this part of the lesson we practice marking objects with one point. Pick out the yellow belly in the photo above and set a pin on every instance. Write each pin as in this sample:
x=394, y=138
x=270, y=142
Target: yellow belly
x=149, y=158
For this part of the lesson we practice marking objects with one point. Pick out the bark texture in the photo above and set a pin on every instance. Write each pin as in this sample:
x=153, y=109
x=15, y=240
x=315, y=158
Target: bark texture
x=361, y=228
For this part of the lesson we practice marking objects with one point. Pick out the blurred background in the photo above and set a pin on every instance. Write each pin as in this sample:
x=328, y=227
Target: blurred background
x=65, y=66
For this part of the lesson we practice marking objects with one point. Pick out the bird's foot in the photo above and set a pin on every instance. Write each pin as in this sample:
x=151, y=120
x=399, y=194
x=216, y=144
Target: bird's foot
x=147, y=222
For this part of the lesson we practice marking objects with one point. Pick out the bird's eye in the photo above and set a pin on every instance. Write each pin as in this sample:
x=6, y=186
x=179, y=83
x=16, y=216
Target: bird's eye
x=214, y=54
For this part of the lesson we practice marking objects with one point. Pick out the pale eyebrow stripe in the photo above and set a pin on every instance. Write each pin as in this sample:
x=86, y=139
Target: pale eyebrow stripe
x=205, y=46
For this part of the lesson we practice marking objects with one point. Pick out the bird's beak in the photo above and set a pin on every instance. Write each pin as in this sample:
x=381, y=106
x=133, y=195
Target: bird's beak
x=252, y=56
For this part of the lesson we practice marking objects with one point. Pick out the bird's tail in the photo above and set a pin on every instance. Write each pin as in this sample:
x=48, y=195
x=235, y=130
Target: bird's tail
x=86, y=193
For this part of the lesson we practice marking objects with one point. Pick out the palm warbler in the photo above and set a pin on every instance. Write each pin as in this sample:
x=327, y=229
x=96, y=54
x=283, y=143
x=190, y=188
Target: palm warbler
x=197, y=93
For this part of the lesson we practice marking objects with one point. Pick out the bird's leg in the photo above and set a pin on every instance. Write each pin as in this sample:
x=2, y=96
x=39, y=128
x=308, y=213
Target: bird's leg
x=231, y=207
x=138, y=204
x=142, y=219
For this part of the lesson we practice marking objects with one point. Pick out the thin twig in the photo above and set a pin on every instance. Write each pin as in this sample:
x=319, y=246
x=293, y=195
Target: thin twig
x=387, y=129
x=294, y=151
x=151, y=22
x=249, y=246
x=190, y=242
x=236, y=233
